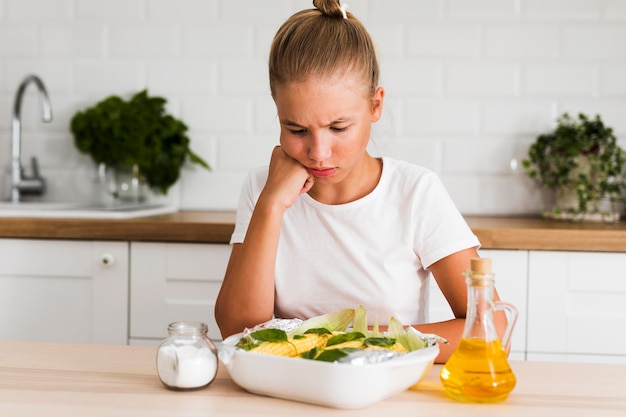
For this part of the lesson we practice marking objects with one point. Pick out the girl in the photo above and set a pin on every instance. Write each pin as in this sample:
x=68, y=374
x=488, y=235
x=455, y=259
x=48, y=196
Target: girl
x=328, y=226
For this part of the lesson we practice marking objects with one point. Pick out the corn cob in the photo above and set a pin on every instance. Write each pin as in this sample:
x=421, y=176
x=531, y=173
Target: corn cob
x=396, y=347
x=294, y=346
x=357, y=344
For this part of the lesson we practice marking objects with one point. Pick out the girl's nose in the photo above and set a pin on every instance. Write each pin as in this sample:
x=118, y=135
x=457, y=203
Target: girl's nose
x=319, y=148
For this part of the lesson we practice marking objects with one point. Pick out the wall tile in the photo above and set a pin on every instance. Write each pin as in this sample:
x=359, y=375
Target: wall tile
x=443, y=40
x=505, y=195
x=203, y=11
x=435, y=116
x=108, y=77
x=521, y=41
x=615, y=10
x=465, y=192
x=561, y=79
x=4, y=88
x=562, y=10
x=391, y=123
x=219, y=114
x=398, y=11
x=482, y=9
x=425, y=151
x=182, y=76
x=144, y=41
x=607, y=41
x=6, y=102
x=243, y=77
x=242, y=154
x=216, y=191
x=56, y=76
x=109, y=10
x=72, y=40
x=481, y=78
x=389, y=40
x=411, y=76
x=252, y=11
x=265, y=117
x=484, y=155
x=18, y=40
x=612, y=80
x=38, y=9
x=263, y=36
x=516, y=117
x=217, y=41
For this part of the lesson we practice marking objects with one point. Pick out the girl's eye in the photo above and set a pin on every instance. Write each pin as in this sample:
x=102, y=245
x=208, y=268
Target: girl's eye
x=297, y=131
x=339, y=129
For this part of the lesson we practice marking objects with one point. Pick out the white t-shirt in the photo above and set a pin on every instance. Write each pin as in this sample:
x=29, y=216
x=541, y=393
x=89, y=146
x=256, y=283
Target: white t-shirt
x=373, y=251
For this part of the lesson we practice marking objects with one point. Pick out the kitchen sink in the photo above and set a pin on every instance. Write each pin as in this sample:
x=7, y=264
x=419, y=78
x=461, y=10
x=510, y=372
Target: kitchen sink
x=82, y=210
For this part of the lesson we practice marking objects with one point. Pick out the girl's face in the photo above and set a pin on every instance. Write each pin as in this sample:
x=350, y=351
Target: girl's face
x=326, y=123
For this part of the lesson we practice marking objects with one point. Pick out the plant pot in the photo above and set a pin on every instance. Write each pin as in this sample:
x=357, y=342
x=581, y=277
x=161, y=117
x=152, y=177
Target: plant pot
x=125, y=183
x=566, y=208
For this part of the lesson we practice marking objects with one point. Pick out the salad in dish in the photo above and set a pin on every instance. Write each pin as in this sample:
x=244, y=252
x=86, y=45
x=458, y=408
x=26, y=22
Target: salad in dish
x=328, y=338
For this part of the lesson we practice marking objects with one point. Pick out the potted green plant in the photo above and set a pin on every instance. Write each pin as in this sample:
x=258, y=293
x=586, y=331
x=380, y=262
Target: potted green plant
x=135, y=135
x=581, y=161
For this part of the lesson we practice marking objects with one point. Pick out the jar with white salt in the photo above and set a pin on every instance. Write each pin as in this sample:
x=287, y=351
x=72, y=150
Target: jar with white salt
x=187, y=359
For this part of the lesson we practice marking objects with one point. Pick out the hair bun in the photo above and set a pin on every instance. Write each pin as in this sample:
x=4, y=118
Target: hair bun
x=330, y=8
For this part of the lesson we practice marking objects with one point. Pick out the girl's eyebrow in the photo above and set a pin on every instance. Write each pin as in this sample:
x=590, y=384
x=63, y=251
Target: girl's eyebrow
x=288, y=122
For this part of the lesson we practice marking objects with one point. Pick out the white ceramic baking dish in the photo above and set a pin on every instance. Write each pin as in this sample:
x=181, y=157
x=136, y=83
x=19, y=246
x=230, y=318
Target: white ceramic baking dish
x=338, y=385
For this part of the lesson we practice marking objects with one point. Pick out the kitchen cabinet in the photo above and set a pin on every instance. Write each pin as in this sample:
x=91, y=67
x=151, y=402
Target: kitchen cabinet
x=510, y=268
x=577, y=306
x=173, y=282
x=64, y=291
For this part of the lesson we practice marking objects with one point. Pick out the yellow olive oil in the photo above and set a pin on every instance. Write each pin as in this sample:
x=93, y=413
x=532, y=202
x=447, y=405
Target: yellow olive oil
x=478, y=371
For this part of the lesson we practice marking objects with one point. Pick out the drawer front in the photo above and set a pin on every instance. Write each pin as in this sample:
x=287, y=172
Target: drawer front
x=577, y=303
x=174, y=282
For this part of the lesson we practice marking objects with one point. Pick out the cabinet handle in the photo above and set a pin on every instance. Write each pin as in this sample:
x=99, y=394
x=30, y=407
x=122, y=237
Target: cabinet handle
x=107, y=259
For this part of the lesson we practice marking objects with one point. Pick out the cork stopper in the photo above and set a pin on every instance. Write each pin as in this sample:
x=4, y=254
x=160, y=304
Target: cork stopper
x=480, y=265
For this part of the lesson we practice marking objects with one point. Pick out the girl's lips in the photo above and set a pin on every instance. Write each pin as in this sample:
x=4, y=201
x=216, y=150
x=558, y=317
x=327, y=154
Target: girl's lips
x=322, y=172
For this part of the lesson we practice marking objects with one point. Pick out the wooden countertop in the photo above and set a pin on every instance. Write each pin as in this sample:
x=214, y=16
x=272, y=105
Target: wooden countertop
x=217, y=226
x=48, y=379
x=183, y=226
x=544, y=234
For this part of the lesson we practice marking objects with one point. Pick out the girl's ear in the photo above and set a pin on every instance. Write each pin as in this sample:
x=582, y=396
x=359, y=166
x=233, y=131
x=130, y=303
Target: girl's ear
x=377, y=103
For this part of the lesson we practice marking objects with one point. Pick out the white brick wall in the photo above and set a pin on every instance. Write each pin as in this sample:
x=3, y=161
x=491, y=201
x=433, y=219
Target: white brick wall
x=470, y=83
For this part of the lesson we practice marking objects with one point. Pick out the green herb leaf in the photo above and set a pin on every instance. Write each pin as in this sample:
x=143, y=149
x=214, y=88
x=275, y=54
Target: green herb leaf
x=311, y=354
x=317, y=330
x=345, y=337
x=333, y=355
x=269, y=335
x=385, y=342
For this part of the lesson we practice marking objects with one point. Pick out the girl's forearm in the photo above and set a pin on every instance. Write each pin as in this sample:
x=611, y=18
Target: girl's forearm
x=246, y=297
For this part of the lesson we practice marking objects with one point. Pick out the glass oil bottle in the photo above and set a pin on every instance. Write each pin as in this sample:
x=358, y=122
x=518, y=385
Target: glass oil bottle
x=478, y=370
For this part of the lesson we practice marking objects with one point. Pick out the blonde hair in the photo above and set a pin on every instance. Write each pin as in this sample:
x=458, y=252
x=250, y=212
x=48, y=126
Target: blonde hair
x=319, y=43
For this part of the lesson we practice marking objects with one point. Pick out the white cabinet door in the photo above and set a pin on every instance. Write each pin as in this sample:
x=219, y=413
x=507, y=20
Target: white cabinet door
x=577, y=306
x=511, y=275
x=174, y=282
x=64, y=291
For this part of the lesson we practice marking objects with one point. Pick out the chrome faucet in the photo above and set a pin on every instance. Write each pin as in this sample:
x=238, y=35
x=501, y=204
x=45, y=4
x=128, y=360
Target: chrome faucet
x=22, y=184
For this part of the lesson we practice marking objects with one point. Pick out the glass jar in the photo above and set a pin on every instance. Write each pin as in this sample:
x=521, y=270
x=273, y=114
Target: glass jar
x=478, y=369
x=123, y=183
x=187, y=358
